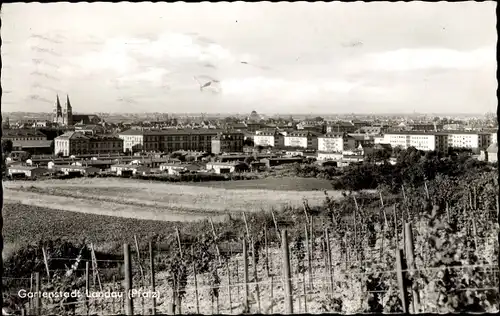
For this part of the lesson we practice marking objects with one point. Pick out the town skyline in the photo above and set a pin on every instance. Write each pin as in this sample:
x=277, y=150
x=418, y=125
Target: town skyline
x=273, y=58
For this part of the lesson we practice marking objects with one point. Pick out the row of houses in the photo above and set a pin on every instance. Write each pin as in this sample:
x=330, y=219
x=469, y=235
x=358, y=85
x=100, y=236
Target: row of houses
x=338, y=142
x=143, y=167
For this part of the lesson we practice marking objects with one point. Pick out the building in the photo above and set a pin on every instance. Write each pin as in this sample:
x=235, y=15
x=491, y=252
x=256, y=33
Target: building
x=34, y=147
x=472, y=140
x=361, y=139
x=492, y=153
x=76, y=143
x=227, y=142
x=71, y=143
x=129, y=170
x=334, y=142
x=425, y=127
x=269, y=139
x=273, y=162
x=30, y=172
x=64, y=115
x=298, y=139
x=23, y=134
x=90, y=130
x=75, y=170
x=105, y=145
x=326, y=156
x=169, y=140
x=420, y=140
x=340, y=127
x=226, y=167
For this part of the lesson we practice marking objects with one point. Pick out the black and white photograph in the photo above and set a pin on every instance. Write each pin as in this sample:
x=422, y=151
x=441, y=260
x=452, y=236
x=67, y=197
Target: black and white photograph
x=249, y=158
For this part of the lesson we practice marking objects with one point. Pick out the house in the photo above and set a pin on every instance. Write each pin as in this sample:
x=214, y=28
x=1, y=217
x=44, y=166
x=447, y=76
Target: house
x=492, y=153
x=327, y=156
x=273, y=162
x=21, y=171
x=100, y=164
x=128, y=170
x=173, y=168
x=23, y=134
x=75, y=170
x=223, y=167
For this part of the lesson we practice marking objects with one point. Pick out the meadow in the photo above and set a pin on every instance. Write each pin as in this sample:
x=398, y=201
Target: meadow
x=270, y=183
x=164, y=201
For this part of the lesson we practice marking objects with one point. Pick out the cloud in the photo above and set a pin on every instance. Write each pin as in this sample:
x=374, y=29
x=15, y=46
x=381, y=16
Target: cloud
x=423, y=58
x=153, y=76
x=278, y=88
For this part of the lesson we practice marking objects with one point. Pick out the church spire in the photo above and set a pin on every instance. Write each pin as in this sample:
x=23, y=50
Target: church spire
x=68, y=104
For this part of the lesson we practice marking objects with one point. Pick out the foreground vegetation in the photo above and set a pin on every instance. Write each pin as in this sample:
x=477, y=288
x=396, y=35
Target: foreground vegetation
x=442, y=212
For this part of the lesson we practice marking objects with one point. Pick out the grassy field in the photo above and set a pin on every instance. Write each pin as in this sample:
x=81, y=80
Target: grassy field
x=158, y=200
x=279, y=184
x=24, y=224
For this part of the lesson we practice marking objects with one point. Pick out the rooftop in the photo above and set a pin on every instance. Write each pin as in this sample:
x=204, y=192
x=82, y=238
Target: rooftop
x=32, y=143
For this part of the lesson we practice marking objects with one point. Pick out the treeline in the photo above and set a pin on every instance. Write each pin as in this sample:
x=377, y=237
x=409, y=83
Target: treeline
x=413, y=166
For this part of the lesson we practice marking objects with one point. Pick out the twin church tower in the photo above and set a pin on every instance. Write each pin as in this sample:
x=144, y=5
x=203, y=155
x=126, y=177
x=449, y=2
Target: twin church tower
x=63, y=115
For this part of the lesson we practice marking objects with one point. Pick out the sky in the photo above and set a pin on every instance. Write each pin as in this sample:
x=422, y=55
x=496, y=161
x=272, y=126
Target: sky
x=376, y=57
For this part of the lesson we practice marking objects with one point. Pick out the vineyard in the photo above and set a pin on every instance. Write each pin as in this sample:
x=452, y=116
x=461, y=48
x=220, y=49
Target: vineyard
x=427, y=249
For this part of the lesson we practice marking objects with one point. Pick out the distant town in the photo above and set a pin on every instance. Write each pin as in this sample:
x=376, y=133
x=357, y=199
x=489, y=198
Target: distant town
x=87, y=143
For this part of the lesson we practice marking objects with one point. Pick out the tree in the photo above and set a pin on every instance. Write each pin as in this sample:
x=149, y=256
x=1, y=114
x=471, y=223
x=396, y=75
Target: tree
x=248, y=142
x=7, y=146
x=248, y=160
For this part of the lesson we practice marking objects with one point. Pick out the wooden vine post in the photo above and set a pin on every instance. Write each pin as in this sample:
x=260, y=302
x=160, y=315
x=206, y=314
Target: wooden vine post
x=329, y=259
x=229, y=286
x=152, y=268
x=410, y=255
x=309, y=259
x=215, y=241
x=87, y=287
x=255, y=276
x=129, y=305
x=245, y=275
x=267, y=252
x=287, y=273
x=400, y=266
x=38, y=299
x=195, y=284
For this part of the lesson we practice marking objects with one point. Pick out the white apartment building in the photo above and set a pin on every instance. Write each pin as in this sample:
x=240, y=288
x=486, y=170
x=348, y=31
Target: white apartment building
x=334, y=142
x=473, y=140
x=420, y=140
x=273, y=139
x=379, y=139
x=302, y=139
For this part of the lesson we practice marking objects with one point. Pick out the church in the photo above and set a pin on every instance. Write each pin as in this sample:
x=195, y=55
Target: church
x=64, y=116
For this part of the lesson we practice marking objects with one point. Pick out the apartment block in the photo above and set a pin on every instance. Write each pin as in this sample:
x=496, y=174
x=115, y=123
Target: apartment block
x=305, y=139
x=420, y=140
x=472, y=140
x=76, y=143
x=269, y=139
x=170, y=140
x=334, y=142
x=227, y=142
